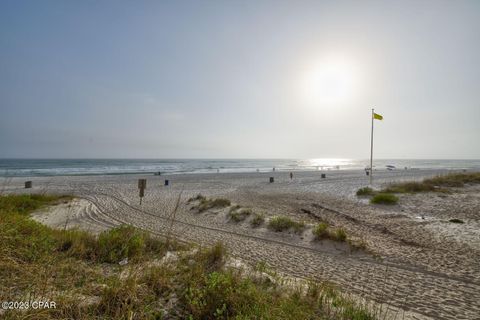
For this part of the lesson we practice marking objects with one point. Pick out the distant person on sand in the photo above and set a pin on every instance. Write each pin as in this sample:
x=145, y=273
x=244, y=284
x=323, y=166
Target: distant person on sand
x=291, y=175
x=273, y=169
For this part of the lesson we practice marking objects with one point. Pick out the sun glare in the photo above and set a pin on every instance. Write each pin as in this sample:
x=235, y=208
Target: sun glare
x=329, y=81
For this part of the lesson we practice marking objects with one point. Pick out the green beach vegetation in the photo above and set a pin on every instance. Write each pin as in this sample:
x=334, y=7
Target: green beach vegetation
x=384, y=198
x=282, y=223
x=440, y=183
x=198, y=197
x=257, y=220
x=238, y=214
x=205, y=204
x=366, y=191
x=123, y=274
x=435, y=184
x=323, y=231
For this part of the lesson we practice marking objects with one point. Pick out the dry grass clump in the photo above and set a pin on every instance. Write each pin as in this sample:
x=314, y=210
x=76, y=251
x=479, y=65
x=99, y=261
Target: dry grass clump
x=282, y=223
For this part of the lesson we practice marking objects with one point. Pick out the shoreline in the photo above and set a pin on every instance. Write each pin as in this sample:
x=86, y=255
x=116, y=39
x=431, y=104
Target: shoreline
x=94, y=167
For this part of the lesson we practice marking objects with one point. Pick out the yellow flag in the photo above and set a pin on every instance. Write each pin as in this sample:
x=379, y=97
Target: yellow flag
x=377, y=116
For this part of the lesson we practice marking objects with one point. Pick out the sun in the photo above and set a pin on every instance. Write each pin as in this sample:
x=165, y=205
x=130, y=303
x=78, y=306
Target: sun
x=329, y=81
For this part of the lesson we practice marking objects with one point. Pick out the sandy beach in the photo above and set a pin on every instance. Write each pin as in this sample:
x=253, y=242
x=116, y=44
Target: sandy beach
x=415, y=261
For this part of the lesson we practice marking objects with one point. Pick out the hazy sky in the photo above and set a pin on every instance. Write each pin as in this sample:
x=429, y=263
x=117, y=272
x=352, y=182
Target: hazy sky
x=239, y=79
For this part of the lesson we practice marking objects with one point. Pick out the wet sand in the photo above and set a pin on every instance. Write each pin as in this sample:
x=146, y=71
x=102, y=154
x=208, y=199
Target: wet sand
x=427, y=268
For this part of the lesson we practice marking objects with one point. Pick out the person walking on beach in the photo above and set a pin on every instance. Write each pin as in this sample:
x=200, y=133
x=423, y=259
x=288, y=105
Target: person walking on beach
x=291, y=175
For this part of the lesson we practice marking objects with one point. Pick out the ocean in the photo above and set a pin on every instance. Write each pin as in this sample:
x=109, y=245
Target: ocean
x=55, y=167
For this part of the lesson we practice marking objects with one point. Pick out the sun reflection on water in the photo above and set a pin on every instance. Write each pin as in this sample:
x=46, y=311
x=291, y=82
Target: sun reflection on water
x=327, y=163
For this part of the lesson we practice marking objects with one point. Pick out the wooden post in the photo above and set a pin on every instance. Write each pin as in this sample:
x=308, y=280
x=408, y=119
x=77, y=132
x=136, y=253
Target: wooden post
x=142, y=185
x=28, y=184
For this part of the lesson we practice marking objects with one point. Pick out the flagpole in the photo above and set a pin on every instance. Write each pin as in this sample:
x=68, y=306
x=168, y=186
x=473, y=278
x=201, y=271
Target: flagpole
x=371, y=150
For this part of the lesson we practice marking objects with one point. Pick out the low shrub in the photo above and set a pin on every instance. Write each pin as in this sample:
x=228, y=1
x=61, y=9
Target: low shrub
x=384, y=198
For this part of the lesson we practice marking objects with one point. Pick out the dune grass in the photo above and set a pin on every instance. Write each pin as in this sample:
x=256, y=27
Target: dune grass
x=409, y=187
x=257, y=220
x=340, y=235
x=80, y=272
x=320, y=231
x=366, y=191
x=441, y=183
x=198, y=197
x=384, y=198
x=282, y=223
x=435, y=184
x=454, y=179
x=238, y=214
x=323, y=231
x=205, y=204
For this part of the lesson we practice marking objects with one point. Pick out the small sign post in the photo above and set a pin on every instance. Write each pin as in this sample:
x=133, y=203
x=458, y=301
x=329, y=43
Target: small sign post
x=28, y=184
x=142, y=185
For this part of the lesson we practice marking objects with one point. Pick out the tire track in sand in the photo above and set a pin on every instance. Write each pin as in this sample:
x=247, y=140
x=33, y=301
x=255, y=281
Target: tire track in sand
x=423, y=296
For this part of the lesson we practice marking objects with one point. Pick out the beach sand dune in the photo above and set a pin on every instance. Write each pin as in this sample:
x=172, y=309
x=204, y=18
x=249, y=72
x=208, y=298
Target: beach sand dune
x=416, y=261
